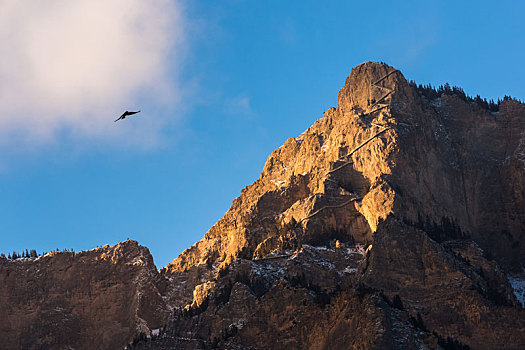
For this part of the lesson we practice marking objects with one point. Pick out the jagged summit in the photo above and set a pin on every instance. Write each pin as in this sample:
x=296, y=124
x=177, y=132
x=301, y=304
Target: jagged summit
x=395, y=221
x=296, y=176
x=382, y=151
x=369, y=86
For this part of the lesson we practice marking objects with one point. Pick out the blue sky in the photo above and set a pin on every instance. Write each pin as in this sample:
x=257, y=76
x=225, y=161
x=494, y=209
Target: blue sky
x=220, y=84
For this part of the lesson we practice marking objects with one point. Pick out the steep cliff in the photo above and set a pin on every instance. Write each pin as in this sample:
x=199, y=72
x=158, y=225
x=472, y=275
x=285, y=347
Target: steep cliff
x=446, y=165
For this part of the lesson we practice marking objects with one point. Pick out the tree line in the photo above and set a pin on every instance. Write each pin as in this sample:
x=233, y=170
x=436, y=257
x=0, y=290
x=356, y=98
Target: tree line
x=432, y=93
x=28, y=254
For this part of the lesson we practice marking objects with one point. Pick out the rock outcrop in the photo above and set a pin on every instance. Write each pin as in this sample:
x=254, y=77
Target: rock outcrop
x=98, y=299
x=395, y=222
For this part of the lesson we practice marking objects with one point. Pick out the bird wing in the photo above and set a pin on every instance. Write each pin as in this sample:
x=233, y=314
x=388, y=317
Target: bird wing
x=125, y=114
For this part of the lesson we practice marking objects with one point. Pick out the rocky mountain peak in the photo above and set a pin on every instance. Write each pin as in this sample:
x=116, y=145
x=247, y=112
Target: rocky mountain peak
x=395, y=221
x=370, y=84
x=127, y=252
x=385, y=150
x=413, y=196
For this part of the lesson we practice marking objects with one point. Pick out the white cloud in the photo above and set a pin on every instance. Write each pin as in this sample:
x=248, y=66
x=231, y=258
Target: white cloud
x=73, y=66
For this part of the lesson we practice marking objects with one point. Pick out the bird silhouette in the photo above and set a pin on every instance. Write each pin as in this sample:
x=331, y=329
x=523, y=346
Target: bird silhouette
x=125, y=114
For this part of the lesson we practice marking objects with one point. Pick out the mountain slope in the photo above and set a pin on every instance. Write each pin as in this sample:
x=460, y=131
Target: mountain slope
x=393, y=222
x=433, y=187
x=444, y=162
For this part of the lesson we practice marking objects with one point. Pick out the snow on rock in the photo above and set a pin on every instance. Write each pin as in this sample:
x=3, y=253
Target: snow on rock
x=517, y=281
x=350, y=269
x=279, y=183
x=317, y=248
x=240, y=323
x=358, y=250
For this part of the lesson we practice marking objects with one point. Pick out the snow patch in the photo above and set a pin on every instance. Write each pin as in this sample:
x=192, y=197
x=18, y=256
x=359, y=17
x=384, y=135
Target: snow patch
x=517, y=281
x=267, y=270
x=349, y=269
x=299, y=139
x=239, y=323
x=325, y=263
x=318, y=248
x=278, y=183
x=357, y=249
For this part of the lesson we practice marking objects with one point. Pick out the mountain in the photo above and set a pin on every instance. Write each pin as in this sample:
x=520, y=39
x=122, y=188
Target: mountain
x=96, y=299
x=396, y=221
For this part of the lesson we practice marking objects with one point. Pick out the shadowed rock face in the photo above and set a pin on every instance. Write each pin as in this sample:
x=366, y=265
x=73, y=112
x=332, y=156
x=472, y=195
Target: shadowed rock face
x=98, y=299
x=390, y=223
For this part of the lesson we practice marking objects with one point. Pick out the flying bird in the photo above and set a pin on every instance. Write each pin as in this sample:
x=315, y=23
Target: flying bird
x=125, y=114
